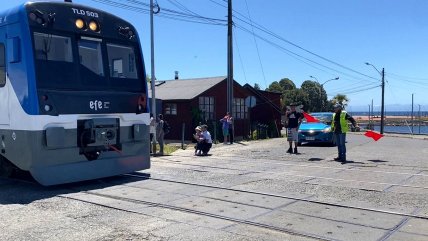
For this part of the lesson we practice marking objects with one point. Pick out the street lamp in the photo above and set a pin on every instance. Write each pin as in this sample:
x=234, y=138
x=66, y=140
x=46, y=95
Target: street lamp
x=321, y=86
x=382, y=107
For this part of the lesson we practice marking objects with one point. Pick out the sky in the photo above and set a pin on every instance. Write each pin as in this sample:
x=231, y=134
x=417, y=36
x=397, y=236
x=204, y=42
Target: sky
x=291, y=39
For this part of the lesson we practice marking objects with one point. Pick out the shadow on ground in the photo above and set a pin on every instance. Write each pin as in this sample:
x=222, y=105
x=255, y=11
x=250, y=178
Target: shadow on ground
x=18, y=191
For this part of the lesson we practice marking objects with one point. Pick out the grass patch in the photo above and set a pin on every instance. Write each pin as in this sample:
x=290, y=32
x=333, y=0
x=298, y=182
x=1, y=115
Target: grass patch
x=168, y=148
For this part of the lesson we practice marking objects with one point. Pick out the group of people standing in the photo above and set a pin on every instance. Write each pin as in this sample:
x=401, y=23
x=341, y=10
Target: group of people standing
x=339, y=126
x=227, y=128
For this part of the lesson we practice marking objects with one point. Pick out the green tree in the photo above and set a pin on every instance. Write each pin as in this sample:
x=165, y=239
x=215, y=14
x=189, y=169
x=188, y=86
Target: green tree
x=275, y=87
x=317, y=96
x=295, y=96
x=311, y=88
x=341, y=99
x=256, y=86
x=287, y=84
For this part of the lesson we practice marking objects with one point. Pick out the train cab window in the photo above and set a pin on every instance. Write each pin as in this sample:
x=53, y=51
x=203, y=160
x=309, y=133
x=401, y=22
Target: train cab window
x=90, y=55
x=122, y=61
x=52, y=47
x=2, y=66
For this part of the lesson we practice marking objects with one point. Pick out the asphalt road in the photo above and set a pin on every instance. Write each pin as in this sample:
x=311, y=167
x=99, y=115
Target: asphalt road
x=245, y=191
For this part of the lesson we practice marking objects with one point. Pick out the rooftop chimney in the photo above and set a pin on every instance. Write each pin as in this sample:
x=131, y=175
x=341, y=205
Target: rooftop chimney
x=176, y=75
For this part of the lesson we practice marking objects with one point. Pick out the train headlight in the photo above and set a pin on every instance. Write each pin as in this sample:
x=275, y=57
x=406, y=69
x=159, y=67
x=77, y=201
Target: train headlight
x=80, y=24
x=94, y=26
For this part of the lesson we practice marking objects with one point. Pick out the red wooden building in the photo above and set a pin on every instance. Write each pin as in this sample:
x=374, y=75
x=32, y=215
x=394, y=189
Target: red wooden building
x=187, y=103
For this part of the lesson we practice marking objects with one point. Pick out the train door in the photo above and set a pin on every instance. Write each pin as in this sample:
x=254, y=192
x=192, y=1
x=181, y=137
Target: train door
x=4, y=90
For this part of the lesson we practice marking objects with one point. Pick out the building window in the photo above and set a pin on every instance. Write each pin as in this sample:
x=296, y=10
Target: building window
x=170, y=109
x=240, y=111
x=206, y=106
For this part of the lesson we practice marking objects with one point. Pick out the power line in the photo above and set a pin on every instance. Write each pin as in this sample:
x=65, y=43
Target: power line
x=165, y=13
x=265, y=30
x=240, y=58
x=406, y=77
x=359, y=90
x=297, y=56
x=352, y=89
x=257, y=46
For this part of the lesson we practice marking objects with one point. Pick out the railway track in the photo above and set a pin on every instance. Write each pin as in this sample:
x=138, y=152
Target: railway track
x=193, y=211
x=317, y=177
x=163, y=205
x=282, y=196
x=280, y=162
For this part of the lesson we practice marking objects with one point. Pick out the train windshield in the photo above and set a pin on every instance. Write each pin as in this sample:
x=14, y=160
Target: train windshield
x=86, y=63
x=121, y=61
x=52, y=47
x=90, y=56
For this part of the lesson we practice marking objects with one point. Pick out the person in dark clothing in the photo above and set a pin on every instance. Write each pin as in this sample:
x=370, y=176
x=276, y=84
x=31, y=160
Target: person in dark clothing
x=160, y=134
x=206, y=141
x=293, y=119
x=230, y=120
x=339, y=126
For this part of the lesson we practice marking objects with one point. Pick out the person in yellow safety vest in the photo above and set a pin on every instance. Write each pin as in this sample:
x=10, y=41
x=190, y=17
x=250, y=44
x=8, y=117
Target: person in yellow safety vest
x=339, y=126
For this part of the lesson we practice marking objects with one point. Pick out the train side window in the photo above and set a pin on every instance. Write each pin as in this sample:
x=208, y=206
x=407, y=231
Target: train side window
x=2, y=66
x=13, y=50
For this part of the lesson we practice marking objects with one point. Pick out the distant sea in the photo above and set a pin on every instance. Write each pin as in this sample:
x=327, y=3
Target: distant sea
x=391, y=113
x=404, y=129
x=399, y=129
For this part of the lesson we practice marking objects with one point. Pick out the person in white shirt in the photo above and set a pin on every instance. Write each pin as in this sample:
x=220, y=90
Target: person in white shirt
x=207, y=142
x=152, y=131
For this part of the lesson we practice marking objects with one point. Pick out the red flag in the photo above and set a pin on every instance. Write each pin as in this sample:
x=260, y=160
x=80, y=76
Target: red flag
x=376, y=136
x=310, y=118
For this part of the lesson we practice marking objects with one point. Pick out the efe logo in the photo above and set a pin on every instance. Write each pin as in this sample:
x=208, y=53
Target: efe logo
x=98, y=105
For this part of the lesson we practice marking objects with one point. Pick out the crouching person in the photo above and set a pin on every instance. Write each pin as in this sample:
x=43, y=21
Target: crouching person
x=199, y=140
x=207, y=142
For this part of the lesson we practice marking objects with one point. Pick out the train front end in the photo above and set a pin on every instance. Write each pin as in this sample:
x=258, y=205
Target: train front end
x=80, y=110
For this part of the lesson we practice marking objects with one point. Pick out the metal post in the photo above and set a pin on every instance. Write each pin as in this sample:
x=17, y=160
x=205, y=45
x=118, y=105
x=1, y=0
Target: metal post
x=372, y=116
x=412, y=114
x=153, y=78
x=182, y=135
x=419, y=114
x=382, y=111
x=229, y=60
x=370, y=123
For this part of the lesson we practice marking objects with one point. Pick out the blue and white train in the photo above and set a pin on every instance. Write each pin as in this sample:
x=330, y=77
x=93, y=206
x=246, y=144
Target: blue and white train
x=73, y=94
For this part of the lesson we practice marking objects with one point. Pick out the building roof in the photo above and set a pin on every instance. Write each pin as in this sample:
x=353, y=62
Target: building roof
x=184, y=89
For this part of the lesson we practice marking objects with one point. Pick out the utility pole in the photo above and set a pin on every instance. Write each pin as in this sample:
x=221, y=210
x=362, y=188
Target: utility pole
x=419, y=113
x=153, y=78
x=382, y=107
x=382, y=111
x=412, y=114
x=229, y=59
x=370, y=123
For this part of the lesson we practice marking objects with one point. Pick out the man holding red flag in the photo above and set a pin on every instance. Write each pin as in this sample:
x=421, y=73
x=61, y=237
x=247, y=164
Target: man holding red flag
x=339, y=126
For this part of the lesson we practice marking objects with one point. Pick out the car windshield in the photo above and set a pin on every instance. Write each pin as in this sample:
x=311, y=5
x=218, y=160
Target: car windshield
x=322, y=117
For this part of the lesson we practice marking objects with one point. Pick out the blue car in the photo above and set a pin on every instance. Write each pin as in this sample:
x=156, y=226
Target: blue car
x=317, y=132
